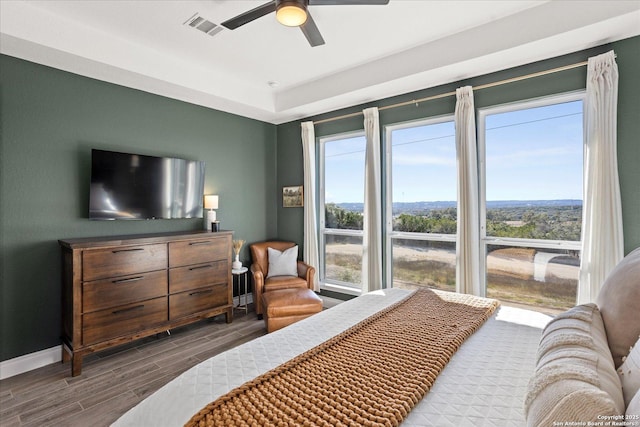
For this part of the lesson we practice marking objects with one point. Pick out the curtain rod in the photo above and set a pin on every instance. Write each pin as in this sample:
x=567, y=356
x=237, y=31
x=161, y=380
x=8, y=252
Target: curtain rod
x=444, y=95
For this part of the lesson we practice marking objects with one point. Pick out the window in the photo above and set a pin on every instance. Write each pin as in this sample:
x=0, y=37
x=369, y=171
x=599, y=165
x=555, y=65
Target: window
x=531, y=156
x=342, y=160
x=530, y=168
x=421, y=204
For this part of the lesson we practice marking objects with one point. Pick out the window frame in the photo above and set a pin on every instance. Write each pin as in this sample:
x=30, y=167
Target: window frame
x=485, y=240
x=389, y=233
x=332, y=285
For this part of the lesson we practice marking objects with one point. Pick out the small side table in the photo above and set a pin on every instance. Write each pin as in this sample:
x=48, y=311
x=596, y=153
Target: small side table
x=243, y=277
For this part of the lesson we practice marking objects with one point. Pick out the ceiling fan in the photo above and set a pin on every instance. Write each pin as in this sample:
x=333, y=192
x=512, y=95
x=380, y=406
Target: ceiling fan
x=294, y=13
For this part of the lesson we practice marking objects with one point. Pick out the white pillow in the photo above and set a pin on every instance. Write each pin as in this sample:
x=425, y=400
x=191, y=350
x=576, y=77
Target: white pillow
x=629, y=373
x=283, y=263
x=618, y=303
x=633, y=410
x=575, y=378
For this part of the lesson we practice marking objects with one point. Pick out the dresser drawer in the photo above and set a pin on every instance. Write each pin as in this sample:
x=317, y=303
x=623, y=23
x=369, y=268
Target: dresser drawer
x=186, y=303
x=123, y=260
x=113, y=322
x=101, y=294
x=197, y=276
x=197, y=251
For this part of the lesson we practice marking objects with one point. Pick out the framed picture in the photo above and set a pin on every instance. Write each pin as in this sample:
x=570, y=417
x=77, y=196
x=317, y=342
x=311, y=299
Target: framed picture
x=292, y=197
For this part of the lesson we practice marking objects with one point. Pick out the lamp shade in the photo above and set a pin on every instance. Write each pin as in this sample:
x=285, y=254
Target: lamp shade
x=211, y=201
x=291, y=13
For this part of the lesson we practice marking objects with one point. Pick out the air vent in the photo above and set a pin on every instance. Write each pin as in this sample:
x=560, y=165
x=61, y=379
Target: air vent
x=204, y=25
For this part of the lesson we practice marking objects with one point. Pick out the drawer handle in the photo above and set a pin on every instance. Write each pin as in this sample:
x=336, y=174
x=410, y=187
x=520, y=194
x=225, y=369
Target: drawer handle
x=208, y=291
x=124, y=310
x=204, y=242
x=131, y=279
x=127, y=250
x=200, y=267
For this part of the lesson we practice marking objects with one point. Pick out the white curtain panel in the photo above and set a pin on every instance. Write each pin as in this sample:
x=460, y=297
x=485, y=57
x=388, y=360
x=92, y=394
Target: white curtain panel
x=372, y=240
x=310, y=250
x=602, y=236
x=467, y=238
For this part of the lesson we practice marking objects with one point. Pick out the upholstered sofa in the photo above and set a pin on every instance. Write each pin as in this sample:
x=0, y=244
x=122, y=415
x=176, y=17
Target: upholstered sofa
x=588, y=360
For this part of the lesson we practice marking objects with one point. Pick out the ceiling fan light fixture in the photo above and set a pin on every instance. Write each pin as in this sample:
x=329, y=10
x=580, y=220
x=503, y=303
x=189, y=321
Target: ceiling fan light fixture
x=291, y=13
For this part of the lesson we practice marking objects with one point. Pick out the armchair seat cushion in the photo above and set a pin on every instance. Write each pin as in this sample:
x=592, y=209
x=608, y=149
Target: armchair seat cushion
x=284, y=282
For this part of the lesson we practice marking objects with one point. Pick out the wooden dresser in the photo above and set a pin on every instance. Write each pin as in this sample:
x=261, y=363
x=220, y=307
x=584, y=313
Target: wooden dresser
x=121, y=288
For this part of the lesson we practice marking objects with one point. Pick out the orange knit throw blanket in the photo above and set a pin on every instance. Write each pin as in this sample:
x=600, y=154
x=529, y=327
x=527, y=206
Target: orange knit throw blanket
x=372, y=374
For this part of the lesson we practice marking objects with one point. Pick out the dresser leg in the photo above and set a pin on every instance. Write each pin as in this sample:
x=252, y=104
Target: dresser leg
x=76, y=365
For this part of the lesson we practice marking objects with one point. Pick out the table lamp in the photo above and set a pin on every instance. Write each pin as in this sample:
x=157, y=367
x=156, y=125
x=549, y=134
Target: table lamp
x=211, y=203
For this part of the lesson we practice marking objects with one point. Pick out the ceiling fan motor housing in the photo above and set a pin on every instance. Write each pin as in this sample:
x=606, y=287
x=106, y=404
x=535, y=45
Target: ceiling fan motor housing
x=291, y=13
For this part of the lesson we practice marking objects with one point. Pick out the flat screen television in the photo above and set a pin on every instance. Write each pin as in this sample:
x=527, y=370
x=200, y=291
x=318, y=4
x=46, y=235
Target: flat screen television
x=135, y=186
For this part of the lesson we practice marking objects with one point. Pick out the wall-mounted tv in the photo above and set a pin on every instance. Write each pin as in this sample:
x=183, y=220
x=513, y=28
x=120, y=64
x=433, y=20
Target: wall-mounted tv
x=135, y=186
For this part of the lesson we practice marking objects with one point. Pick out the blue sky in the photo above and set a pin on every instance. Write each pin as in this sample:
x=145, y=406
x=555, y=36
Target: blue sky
x=533, y=154
x=424, y=163
x=344, y=170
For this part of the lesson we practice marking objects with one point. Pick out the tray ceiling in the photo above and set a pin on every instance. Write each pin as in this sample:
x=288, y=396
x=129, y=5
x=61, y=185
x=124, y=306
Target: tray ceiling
x=269, y=72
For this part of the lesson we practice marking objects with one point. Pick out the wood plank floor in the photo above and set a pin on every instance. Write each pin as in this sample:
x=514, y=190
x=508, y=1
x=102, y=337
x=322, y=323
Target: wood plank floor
x=115, y=380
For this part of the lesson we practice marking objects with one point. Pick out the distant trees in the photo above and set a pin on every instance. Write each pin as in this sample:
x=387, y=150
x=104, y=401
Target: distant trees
x=550, y=223
x=336, y=217
x=438, y=223
x=538, y=222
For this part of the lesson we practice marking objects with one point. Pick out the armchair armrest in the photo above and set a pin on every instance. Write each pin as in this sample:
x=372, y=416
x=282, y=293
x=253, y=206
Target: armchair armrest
x=258, y=287
x=306, y=272
x=256, y=270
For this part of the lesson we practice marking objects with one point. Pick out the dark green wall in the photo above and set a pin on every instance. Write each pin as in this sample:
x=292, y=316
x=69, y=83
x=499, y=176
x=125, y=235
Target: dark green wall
x=628, y=51
x=49, y=121
x=628, y=60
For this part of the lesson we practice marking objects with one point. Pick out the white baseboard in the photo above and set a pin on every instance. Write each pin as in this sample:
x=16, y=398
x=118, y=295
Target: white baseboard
x=29, y=362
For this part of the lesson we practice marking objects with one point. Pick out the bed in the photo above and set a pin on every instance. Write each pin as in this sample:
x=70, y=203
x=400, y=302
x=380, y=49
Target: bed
x=484, y=384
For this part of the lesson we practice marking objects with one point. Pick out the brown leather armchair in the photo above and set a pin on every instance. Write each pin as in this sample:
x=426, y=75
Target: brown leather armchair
x=260, y=271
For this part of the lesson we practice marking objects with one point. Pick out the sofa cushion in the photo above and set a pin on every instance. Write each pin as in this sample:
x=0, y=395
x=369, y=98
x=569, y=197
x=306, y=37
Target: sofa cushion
x=574, y=378
x=618, y=302
x=629, y=373
x=283, y=263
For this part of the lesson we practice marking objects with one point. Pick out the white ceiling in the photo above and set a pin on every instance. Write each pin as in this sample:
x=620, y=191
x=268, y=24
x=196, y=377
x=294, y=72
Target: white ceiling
x=269, y=72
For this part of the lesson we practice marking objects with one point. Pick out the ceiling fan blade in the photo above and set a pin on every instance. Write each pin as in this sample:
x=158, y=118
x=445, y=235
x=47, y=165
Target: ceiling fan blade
x=249, y=16
x=311, y=32
x=344, y=2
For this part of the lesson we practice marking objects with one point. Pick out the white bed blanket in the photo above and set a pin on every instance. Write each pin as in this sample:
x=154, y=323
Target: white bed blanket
x=484, y=384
